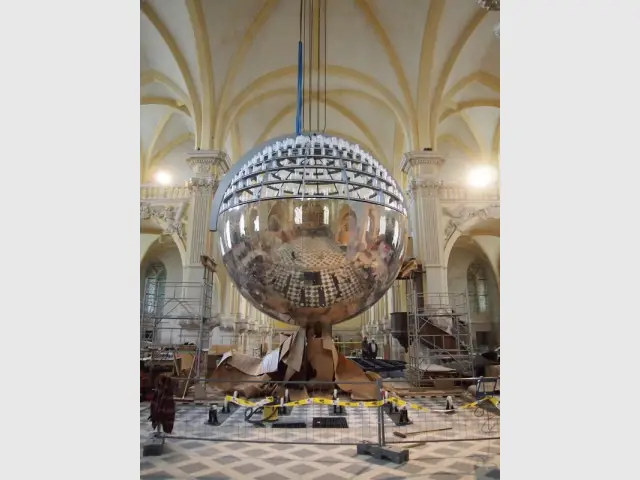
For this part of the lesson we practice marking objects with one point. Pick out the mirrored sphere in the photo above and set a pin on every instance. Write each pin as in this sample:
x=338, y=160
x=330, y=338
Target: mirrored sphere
x=312, y=229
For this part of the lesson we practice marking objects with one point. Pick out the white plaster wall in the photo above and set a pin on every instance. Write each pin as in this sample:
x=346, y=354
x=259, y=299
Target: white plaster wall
x=459, y=262
x=173, y=264
x=146, y=240
x=222, y=337
x=490, y=245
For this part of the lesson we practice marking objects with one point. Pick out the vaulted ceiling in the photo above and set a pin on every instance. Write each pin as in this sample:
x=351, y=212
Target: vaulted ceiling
x=401, y=75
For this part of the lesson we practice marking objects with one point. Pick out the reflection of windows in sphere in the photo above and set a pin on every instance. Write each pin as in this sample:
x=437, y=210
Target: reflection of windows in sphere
x=332, y=206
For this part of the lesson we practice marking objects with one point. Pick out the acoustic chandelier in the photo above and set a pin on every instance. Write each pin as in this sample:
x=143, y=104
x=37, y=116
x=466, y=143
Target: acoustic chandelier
x=492, y=6
x=312, y=228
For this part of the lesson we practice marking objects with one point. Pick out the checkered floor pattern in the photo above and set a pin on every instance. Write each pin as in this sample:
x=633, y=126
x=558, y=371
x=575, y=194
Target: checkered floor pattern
x=336, y=279
x=465, y=424
x=287, y=453
x=309, y=272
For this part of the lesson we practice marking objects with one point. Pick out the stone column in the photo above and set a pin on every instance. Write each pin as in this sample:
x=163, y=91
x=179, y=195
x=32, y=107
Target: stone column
x=425, y=216
x=208, y=167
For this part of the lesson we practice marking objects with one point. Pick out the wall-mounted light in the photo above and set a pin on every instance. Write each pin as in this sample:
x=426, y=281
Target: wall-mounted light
x=163, y=178
x=482, y=176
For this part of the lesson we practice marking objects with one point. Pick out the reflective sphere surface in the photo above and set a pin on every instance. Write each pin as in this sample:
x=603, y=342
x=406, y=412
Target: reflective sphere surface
x=312, y=229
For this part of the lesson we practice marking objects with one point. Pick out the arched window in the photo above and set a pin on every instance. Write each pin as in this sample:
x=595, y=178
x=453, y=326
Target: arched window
x=155, y=278
x=477, y=288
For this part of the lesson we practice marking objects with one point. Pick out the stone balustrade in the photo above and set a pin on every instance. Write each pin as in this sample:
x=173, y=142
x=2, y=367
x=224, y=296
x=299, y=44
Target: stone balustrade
x=451, y=193
x=158, y=192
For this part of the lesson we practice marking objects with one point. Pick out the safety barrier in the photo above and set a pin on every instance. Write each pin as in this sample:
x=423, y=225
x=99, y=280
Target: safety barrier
x=319, y=413
x=398, y=402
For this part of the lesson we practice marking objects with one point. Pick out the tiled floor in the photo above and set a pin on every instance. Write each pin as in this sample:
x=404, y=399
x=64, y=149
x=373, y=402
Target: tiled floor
x=463, y=425
x=207, y=459
x=186, y=459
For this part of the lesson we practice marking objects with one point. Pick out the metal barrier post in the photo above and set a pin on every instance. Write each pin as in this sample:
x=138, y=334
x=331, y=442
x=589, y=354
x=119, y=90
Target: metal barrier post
x=381, y=440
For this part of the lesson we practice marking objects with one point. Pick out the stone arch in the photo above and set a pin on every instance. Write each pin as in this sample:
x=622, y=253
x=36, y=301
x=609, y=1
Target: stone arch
x=472, y=219
x=179, y=243
x=160, y=252
x=163, y=228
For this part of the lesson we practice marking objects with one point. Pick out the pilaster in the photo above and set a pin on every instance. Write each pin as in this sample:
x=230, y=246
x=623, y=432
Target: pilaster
x=425, y=215
x=207, y=167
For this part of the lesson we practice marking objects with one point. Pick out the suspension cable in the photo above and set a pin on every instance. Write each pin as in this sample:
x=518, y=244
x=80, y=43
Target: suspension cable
x=300, y=76
x=324, y=26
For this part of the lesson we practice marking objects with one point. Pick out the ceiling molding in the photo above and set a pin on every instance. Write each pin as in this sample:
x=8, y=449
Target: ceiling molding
x=271, y=124
x=459, y=107
x=162, y=124
x=236, y=148
x=143, y=162
x=394, y=60
x=456, y=142
x=334, y=70
x=429, y=37
x=378, y=151
x=398, y=151
x=237, y=61
x=150, y=76
x=495, y=143
x=205, y=69
x=167, y=102
x=477, y=138
x=448, y=67
x=166, y=149
x=162, y=29
x=291, y=92
x=490, y=81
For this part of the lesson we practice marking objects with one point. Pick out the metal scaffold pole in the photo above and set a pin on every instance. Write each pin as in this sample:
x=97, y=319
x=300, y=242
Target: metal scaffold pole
x=175, y=323
x=205, y=315
x=439, y=332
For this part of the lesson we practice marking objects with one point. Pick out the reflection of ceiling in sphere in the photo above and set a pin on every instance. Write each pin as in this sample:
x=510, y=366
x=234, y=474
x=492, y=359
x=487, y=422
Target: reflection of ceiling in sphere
x=312, y=229
x=313, y=272
x=313, y=166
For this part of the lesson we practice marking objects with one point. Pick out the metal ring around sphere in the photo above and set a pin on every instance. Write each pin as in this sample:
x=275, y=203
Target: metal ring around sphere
x=312, y=229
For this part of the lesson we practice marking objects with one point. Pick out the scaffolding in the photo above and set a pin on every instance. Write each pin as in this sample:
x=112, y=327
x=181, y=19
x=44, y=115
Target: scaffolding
x=175, y=319
x=439, y=333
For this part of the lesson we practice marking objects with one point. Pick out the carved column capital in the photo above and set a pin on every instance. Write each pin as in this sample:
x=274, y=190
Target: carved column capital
x=422, y=164
x=429, y=187
x=201, y=186
x=209, y=163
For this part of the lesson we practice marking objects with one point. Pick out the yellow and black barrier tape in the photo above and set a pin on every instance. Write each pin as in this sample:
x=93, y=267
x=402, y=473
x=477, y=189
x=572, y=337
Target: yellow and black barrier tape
x=341, y=403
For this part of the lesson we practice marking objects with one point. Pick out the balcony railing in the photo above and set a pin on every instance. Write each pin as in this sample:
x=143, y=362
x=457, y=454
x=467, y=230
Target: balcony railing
x=455, y=193
x=157, y=192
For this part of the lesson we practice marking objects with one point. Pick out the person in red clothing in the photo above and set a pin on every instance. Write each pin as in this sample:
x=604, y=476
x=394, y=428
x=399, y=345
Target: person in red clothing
x=163, y=406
